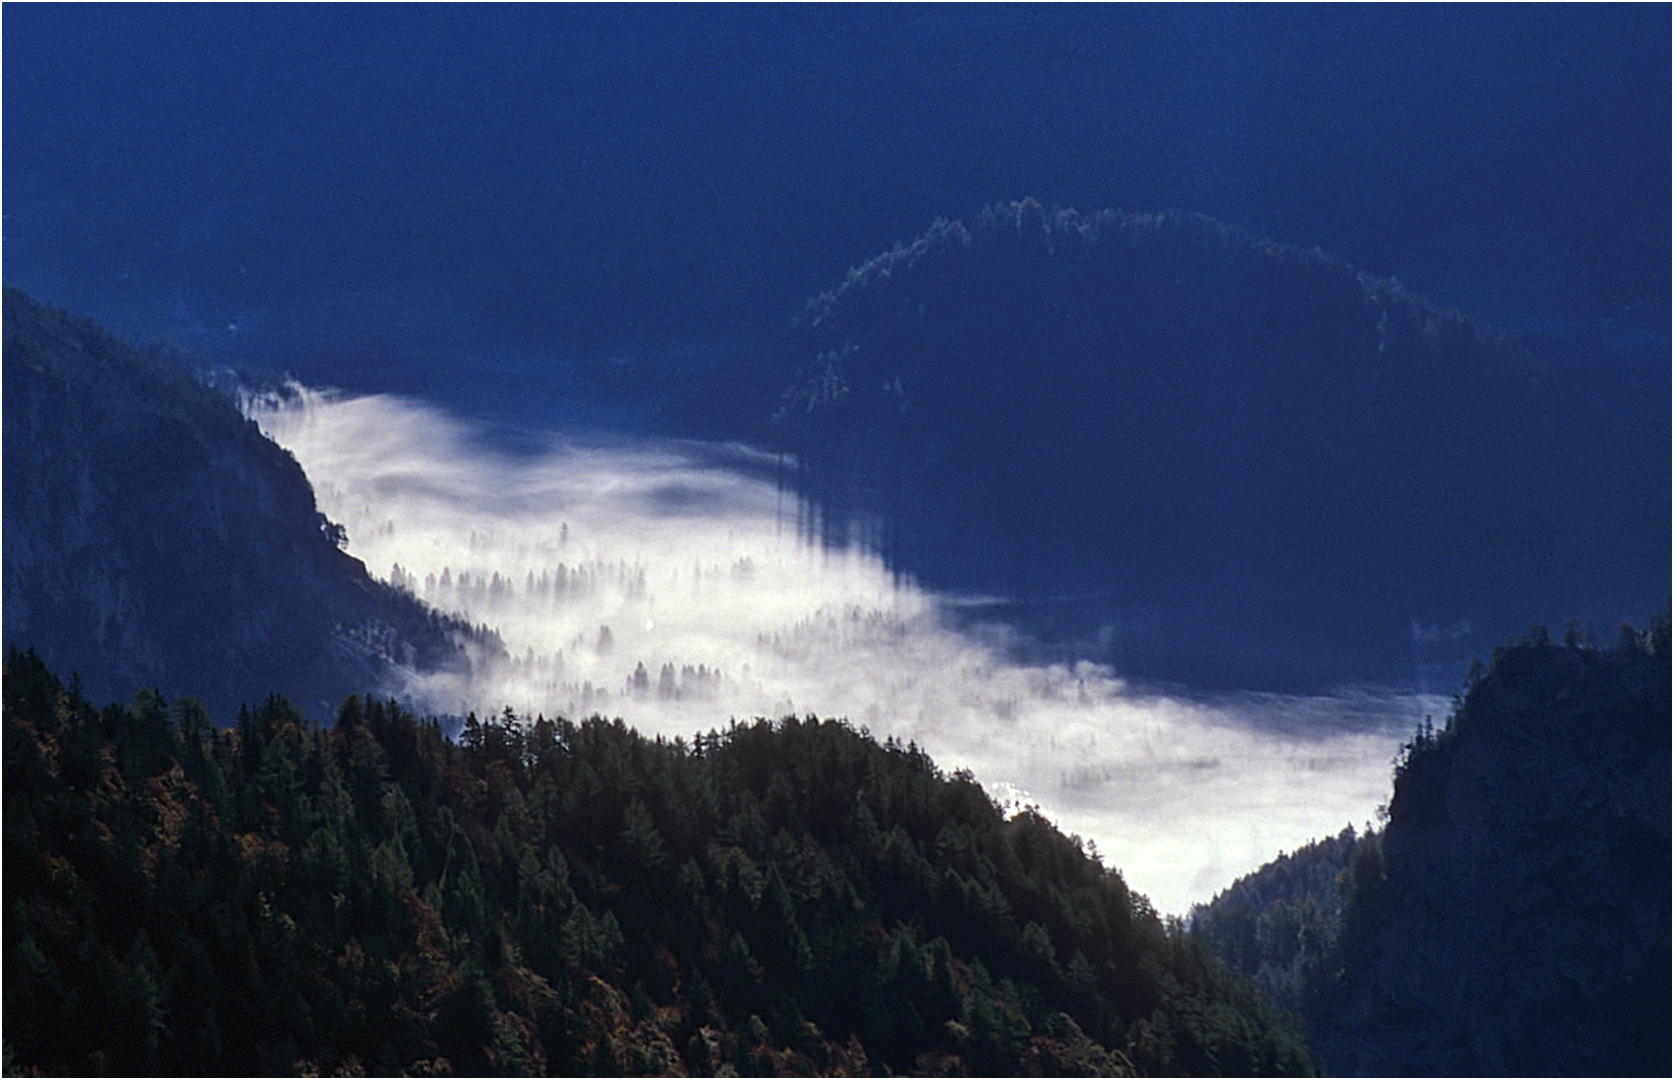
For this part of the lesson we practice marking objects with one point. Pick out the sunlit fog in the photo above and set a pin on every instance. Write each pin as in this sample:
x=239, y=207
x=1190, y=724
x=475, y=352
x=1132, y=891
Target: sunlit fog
x=670, y=584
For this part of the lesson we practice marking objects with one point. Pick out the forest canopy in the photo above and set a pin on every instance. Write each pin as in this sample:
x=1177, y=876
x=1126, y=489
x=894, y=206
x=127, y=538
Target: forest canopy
x=547, y=896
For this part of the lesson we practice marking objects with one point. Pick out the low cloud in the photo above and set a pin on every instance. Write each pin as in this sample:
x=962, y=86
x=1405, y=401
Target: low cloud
x=671, y=584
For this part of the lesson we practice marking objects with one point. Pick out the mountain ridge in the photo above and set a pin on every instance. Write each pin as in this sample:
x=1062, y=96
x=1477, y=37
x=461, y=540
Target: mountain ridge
x=1206, y=429
x=1511, y=917
x=155, y=538
x=782, y=897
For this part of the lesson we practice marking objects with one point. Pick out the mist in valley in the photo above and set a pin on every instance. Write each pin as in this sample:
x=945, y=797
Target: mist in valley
x=673, y=584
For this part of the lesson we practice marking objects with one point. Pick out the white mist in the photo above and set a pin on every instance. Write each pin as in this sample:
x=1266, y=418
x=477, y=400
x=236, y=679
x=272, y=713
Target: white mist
x=658, y=583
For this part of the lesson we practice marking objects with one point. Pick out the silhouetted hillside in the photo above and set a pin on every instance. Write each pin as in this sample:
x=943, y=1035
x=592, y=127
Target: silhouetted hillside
x=1512, y=917
x=1521, y=923
x=1163, y=425
x=783, y=898
x=155, y=538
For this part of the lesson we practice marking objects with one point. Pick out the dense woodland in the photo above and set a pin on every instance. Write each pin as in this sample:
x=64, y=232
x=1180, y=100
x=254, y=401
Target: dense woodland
x=542, y=896
x=1280, y=925
x=219, y=889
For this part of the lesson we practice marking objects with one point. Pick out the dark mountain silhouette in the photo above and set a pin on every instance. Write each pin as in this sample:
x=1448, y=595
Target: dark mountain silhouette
x=155, y=538
x=1251, y=463
x=1512, y=917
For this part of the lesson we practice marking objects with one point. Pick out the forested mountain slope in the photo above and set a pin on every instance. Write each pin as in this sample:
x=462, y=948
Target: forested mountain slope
x=1512, y=917
x=1280, y=924
x=155, y=538
x=785, y=898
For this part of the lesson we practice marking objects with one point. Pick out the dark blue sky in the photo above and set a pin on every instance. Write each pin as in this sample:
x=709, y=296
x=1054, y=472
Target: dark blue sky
x=558, y=178
x=607, y=217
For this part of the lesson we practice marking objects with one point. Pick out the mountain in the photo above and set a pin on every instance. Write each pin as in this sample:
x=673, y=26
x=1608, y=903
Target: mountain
x=1232, y=462
x=1512, y=916
x=782, y=898
x=154, y=538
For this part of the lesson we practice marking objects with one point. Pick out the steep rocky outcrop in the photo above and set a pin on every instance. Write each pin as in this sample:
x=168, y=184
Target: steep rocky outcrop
x=154, y=538
x=1520, y=924
x=1512, y=916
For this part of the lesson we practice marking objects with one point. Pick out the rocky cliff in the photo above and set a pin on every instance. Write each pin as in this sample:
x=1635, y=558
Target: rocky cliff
x=154, y=538
x=1519, y=920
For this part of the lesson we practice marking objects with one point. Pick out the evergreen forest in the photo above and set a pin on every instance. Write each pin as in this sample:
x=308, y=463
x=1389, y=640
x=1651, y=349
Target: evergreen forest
x=540, y=896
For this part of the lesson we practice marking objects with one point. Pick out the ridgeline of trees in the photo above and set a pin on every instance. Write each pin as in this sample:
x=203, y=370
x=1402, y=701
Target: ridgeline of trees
x=1188, y=425
x=543, y=896
x=1512, y=916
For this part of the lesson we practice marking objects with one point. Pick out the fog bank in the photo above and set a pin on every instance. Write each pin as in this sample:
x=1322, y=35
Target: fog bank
x=670, y=584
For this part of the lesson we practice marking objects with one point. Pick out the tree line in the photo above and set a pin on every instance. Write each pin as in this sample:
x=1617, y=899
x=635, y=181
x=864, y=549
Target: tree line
x=541, y=896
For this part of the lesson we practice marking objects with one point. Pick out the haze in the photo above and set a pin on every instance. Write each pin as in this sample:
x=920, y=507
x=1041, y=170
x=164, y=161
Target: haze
x=482, y=208
x=684, y=561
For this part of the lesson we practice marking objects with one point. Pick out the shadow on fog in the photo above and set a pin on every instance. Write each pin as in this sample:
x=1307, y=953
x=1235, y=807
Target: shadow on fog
x=674, y=584
x=1231, y=462
x=1159, y=442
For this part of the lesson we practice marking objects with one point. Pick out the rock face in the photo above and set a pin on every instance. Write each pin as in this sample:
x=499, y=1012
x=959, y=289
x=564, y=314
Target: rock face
x=154, y=538
x=1520, y=921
